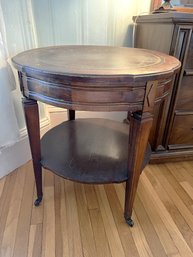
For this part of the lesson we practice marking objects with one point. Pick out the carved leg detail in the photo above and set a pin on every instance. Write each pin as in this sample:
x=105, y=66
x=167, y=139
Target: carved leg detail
x=32, y=121
x=71, y=114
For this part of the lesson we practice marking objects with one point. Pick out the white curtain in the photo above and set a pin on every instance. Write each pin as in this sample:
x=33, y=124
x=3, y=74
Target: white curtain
x=9, y=131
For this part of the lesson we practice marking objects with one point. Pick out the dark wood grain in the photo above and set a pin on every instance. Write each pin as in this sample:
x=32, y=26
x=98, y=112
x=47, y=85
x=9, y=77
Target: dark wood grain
x=92, y=151
x=140, y=125
x=182, y=130
x=180, y=46
x=185, y=94
x=171, y=130
x=33, y=127
x=71, y=114
x=168, y=17
x=92, y=78
x=96, y=78
x=91, y=61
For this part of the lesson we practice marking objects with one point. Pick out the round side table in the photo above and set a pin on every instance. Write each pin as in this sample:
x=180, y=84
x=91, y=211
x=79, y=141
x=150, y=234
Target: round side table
x=94, y=78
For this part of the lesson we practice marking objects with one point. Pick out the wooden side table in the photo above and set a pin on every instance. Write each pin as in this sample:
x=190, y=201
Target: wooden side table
x=94, y=78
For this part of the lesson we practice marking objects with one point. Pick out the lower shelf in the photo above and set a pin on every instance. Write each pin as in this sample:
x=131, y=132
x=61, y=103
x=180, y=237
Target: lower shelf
x=88, y=151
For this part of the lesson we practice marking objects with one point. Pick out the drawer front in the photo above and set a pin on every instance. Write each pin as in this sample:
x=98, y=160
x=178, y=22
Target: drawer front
x=182, y=131
x=185, y=95
x=189, y=58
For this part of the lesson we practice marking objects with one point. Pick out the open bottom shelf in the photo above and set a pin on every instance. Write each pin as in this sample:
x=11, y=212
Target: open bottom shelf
x=88, y=151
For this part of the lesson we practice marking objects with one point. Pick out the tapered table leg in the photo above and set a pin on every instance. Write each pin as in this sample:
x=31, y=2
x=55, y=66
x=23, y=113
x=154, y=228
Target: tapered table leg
x=32, y=121
x=71, y=114
x=138, y=139
x=140, y=126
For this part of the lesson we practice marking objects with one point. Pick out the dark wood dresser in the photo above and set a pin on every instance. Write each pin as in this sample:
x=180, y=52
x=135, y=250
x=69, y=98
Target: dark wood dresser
x=172, y=133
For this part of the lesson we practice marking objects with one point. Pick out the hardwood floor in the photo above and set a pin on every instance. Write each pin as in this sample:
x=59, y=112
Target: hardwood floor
x=86, y=220
x=76, y=220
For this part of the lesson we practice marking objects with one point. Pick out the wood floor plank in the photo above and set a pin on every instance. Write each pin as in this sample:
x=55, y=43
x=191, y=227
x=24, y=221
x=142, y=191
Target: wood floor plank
x=87, y=236
x=177, y=217
x=5, y=202
x=9, y=236
x=58, y=218
x=64, y=221
x=188, y=188
x=115, y=245
x=2, y=183
x=175, y=255
x=140, y=240
x=174, y=233
x=61, y=227
x=154, y=215
x=145, y=224
x=172, y=176
x=101, y=242
x=176, y=169
x=188, y=167
x=92, y=202
x=148, y=229
x=31, y=244
x=168, y=181
x=137, y=233
x=86, y=220
x=125, y=233
x=73, y=227
x=102, y=246
x=35, y=241
x=48, y=243
x=23, y=227
x=37, y=249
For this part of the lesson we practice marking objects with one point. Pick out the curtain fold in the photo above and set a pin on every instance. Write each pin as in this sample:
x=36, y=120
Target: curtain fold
x=9, y=131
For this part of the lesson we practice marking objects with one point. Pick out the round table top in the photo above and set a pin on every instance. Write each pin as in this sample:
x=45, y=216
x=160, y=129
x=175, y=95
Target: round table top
x=97, y=61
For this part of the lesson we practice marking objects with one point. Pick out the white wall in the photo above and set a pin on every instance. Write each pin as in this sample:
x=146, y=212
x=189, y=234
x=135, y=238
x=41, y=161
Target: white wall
x=100, y=22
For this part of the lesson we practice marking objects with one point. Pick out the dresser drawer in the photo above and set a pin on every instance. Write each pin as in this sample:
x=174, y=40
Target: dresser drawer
x=185, y=95
x=182, y=130
x=189, y=58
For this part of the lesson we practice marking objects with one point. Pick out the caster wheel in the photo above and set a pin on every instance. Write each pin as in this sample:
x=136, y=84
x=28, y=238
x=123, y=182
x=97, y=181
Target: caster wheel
x=38, y=201
x=129, y=222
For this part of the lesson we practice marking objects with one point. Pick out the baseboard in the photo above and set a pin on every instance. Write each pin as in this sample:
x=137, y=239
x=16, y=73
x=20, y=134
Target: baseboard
x=118, y=116
x=51, y=109
x=171, y=156
x=44, y=123
x=18, y=154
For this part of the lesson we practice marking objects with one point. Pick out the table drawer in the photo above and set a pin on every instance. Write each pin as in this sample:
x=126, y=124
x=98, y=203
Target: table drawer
x=182, y=130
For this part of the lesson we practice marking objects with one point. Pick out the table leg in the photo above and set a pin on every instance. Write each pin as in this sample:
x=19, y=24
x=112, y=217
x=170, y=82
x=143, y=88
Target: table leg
x=140, y=126
x=32, y=121
x=71, y=114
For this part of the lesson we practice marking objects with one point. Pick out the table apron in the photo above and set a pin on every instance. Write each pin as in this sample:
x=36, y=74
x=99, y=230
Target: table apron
x=89, y=97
